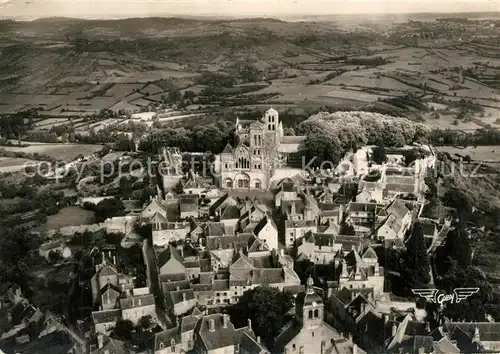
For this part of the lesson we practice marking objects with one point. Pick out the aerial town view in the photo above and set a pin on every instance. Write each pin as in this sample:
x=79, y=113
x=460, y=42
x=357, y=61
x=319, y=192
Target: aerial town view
x=309, y=183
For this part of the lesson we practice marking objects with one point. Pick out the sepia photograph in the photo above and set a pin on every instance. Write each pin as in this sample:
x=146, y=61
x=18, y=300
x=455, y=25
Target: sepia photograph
x=249, y=177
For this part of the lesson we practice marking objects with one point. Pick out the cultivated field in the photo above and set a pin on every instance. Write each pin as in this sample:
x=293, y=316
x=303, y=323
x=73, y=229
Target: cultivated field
x=64, y=152
x=295, y=64
x=479, y=153
x=14, y=164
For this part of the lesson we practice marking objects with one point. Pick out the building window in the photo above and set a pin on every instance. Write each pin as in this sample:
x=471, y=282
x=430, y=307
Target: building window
x=162, y=346
x=312, y=334
x=301, y=349
x=217, y=294
x=316, y=313
x=225, y=294
x=350, y=286
x=293, y=347
x=310, y=314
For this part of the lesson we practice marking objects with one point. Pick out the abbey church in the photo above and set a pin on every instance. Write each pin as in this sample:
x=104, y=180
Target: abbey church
x=262, y=148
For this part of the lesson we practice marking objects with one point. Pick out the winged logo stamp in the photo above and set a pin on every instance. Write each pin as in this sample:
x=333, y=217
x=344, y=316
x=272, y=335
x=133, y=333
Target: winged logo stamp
x=434, y=296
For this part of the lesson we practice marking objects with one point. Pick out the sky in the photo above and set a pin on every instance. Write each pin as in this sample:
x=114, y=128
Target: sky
x=241, y=8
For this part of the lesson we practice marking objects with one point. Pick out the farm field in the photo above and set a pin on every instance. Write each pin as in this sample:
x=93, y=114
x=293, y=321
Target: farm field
x=14, y=164
x=300, y=65
x=479, y=153
x=64, y=152
x=69, y=216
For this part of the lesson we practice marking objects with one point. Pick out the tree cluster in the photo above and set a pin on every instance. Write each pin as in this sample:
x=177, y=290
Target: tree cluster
x=267, y=308
x=211, y=137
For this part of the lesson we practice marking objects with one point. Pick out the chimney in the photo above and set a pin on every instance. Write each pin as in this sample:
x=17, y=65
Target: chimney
x=184, y=297
x=258, y=339
x=100, y=340
x=354, y=349
x=249, y=323
x=394, y=330
x=224, y=319
x=114, y=260
x=178, y=288
x=293, y=210
x=212, y=324
x=282, y=251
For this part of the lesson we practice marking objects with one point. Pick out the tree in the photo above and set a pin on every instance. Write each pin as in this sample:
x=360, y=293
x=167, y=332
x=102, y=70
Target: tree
x=415, y=267
x=145, y=322
x=410, y=156
x=321, y=150
x=55, y=256
x=108, y=208
x=267, y=308
x=123, y=330
x=379, y=155
x=456, y=247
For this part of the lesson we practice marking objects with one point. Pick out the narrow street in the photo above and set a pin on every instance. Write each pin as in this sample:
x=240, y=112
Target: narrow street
x=153, y=283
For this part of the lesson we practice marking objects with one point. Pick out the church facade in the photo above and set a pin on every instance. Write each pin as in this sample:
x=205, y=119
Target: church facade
x=261, y=149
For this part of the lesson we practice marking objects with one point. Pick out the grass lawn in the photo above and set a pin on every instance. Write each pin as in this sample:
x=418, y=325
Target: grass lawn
x=69, y=216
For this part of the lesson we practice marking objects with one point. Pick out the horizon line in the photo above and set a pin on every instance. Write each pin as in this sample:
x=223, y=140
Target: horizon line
x=237, y=16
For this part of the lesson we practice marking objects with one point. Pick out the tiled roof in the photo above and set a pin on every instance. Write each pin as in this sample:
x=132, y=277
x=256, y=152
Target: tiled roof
x=445, y=346
x=230, y=212
x=106, y=316
x=166, y=255
x=398, y=208
x=300, y=223
x=369, y=254
x=137, y=301
x=166, y=338
x=262, y=223
x=488, y=331
x=181, y=295
x=215, y=229
x=221, y=336
x=172, y=277
x=174, y=285
x=367, y=207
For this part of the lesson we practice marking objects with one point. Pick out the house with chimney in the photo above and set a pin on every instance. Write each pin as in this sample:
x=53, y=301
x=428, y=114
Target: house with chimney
x=104, y=321
x=200, y=333
x=286, y=190
x=393, y=221
x=295, y=230
x=362, y=216
x=137, y=305
x=179, y=296
x=361, y=269
x=164, y=232
x=267, y=231
x=308, y=332
x=108, y=345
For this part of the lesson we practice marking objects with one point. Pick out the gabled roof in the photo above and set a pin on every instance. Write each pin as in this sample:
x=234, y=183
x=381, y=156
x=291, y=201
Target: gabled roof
x=230, y=212
x=369, y=254
x=166, y=255
x=106, y=316
x=228, y=149
x=262, y=223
